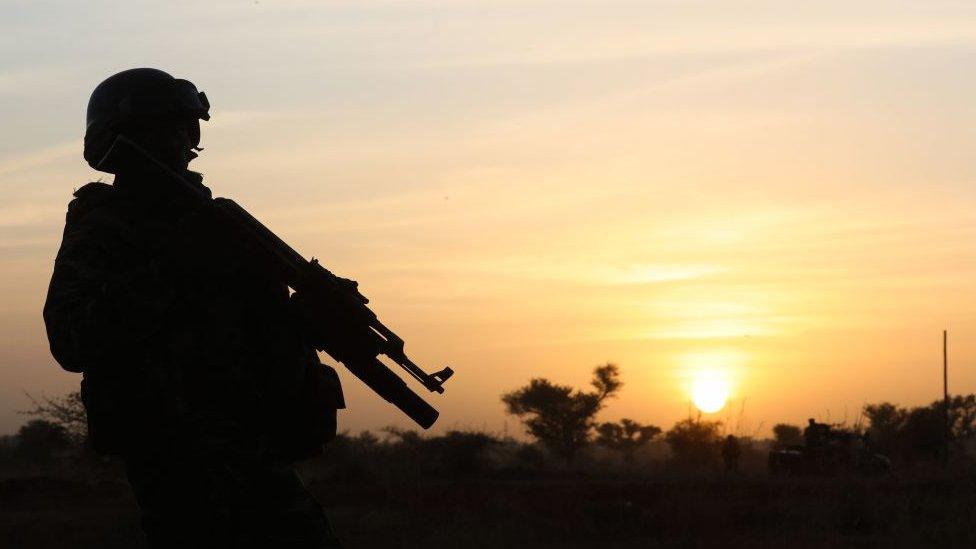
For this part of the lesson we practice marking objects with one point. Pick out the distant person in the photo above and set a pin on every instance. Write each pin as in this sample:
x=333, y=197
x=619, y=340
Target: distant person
x=814, y=435
x=730, y=453
x=195, y=369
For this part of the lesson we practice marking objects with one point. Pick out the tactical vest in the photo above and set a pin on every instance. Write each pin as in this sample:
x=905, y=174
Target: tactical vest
x=181, y=334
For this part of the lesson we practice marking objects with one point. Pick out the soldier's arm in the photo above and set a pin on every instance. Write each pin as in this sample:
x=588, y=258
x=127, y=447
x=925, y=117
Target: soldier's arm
x=97, y=306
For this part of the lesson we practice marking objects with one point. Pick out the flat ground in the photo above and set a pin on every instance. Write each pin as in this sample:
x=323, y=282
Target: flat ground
x=43, y=512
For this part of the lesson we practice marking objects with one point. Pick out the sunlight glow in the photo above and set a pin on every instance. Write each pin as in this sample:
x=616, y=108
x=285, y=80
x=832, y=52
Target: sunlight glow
x=710, y=391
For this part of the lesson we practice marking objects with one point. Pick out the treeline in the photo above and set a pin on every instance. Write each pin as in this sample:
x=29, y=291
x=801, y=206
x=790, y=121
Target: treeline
x=561, y=421
x=907, y=435
x=565, y=436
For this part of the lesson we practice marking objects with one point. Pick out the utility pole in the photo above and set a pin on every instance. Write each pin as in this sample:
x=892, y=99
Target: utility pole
x=945, y=395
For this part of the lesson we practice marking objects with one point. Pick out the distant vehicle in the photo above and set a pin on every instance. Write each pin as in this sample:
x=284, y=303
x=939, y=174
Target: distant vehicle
x=836, y=451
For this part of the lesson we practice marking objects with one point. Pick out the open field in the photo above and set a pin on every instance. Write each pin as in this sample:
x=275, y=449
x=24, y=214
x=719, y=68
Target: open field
x=43, y=512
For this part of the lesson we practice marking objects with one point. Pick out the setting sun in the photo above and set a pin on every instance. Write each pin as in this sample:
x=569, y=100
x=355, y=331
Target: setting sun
x=709, y=391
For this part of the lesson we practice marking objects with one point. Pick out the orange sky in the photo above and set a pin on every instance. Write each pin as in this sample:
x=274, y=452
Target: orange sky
x=532, y=189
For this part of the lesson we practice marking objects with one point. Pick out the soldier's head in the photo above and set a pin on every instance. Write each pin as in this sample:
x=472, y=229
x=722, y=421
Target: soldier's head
x=811, y=421
x=159, y=112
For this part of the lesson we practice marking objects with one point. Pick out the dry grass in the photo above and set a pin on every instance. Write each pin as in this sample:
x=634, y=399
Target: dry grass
x=42, y=512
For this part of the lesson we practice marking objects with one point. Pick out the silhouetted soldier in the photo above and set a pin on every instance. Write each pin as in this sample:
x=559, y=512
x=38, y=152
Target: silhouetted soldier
x=730, y=453
x=195, y=370
x=815, y=435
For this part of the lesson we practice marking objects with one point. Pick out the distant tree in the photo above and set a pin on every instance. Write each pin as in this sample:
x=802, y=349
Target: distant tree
x=695, y=442
x=461, y=452
x=922, y=436
x=962, y=417
x=406, y=437
x=785, y=435
x=626, y=437
x=67, y=411
x=560, y=417
x=8, y=448
x=40, y=441
x=530, y=457
x=366, y=438
x=919, y=433
x=885, y=424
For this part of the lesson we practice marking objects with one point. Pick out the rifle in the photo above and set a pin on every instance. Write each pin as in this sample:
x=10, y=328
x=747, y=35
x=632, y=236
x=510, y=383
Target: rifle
x=343, y=326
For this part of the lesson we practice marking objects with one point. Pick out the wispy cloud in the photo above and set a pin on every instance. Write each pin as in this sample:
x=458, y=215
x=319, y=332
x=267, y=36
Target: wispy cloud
x=49, y=155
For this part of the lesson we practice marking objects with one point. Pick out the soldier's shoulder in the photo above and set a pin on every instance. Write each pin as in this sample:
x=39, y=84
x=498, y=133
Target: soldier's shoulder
x=91, y=198
x=93, y=189
x=92, y=195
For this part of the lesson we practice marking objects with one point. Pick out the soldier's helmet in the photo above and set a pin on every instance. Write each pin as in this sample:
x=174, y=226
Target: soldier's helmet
x=139, y=98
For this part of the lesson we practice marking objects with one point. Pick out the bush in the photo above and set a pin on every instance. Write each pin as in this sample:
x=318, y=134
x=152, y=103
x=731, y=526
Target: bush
x=695, y=443
x=785, y=435
x=626, y=437
x=41, y=442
